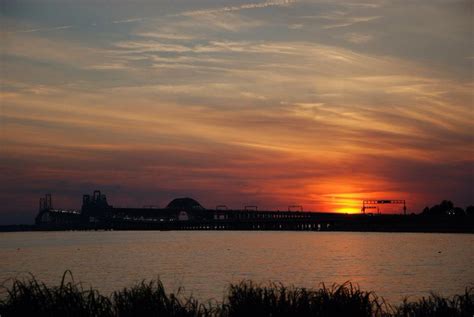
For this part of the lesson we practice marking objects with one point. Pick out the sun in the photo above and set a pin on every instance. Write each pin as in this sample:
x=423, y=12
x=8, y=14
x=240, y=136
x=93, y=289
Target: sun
x=348, y=210
x=347, y=203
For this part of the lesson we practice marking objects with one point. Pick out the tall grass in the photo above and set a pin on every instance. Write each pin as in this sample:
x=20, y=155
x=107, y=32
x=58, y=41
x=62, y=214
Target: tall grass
x=150, y=299
x=247, y=298
x=437, y=306
x=33, y=298
x=29, y=297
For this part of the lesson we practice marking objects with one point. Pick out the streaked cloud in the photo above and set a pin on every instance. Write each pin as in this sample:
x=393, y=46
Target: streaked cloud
x=341, y=20
x=316, y=103
x=257, y=5
x=130, y=20
x=358, y=38
x=62, y=27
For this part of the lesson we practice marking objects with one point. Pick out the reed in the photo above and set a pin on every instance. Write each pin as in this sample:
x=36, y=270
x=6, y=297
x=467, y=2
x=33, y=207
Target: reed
x=437, y=306
x=29, y=297
x=247, y=298
x=33, y=298
x=150, y=299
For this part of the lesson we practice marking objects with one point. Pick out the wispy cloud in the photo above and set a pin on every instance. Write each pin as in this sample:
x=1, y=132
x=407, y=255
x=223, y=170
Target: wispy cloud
x=277, y=3
x=348, y=21
x=358, y=38
x=296, y=26
x=166, y=35
x=202, y=13
x=129, y=20
x=63, y=27
x=340, y=18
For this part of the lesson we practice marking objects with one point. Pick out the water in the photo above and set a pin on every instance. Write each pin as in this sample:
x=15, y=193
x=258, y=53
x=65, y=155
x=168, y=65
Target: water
x=394, y=265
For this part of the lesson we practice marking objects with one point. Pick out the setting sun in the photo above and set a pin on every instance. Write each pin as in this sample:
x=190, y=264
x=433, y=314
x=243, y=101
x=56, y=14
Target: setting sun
x=346, y=203
x=348, y=210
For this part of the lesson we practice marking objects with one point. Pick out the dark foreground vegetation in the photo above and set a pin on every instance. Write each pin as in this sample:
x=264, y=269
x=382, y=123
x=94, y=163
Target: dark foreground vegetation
x=33, y=298
x=446, y=207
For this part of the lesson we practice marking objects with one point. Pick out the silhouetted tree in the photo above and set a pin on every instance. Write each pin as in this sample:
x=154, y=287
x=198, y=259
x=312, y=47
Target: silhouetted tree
x=446, y=207
x=457, y=211
x=470, y=210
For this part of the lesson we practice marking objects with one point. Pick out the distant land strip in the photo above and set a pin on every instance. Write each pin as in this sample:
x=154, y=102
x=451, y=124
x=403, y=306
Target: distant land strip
x=325, y=222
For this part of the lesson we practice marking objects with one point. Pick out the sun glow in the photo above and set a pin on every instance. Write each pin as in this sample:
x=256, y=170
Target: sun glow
x=345, y=195
x=345, y=203
x=348, y=210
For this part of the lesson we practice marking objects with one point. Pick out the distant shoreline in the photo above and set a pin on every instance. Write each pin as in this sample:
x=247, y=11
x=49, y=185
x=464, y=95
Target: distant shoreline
x=389, y=229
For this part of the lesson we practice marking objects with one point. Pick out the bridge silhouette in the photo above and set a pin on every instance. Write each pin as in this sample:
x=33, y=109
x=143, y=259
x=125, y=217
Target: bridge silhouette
x=187, y=214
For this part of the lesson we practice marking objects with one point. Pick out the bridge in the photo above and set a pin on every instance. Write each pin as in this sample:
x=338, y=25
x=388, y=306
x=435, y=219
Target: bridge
x=187, y=214
x=374, y=204
x=180, y=214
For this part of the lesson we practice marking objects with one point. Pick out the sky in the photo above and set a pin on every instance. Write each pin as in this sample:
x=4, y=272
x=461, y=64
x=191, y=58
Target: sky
x=317, y=103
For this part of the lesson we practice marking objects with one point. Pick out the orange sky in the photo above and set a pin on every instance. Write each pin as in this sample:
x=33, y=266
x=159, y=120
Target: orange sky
x=313, y=103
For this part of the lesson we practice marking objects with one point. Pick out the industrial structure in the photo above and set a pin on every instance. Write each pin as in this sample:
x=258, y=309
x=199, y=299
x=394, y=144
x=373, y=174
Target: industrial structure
x=188, y=214
x=48, y=215
x=180, y=213
x=374, y=204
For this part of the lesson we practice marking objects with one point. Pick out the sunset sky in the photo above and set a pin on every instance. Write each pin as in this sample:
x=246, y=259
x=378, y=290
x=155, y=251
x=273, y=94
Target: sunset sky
x=318, y=103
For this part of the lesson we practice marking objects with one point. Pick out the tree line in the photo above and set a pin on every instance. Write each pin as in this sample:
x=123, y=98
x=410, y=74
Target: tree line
x=446, y=207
